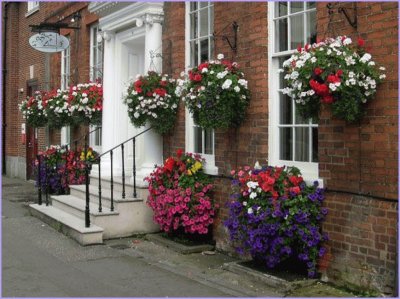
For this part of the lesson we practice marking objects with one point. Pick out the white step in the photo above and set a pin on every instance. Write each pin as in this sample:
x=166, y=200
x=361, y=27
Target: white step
x=68, y=224
x=80, y=192
x=76, y=206
x=117, y=182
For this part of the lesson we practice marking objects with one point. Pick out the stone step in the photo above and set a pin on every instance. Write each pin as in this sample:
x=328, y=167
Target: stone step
x=76, y=206
x=68, y=224
x=80, y=192
x=141, y=188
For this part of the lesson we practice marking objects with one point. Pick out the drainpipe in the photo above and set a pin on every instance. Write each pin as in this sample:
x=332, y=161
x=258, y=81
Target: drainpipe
x=4, y=124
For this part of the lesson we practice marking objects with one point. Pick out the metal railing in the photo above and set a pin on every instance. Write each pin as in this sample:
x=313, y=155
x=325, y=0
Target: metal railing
x=42, y=162
x=110, y=152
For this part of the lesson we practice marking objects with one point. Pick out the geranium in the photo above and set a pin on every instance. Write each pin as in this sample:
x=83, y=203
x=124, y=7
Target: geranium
x=180, y=195
x=58, y=108
x=33, y=110
x=335, y=72
x=216, y=93
x=86, y=103
x=273, y=215
x=151, y=99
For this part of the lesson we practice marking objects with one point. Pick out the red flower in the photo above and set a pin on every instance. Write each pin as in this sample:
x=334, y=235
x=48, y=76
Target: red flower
x=163, y=83
x=328, y=99
x=179, y=153
x=169, y=164
x=307, y=47
x=138, y=89
x=339, y=73
x=320, y=89
x=197, y=77
x=138, y=83
x=318, y=71
x=227, y=63
x=299, y=48
x=332, y=79
x=295, y=190
x=295, y=180
x=160, y=91
x=361, y=42
x=203, y=66
x=149, y=93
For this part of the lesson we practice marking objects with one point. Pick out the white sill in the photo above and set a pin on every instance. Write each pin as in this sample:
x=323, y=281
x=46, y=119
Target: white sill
x=310, y=182
x=212, y=170
x=32, y=11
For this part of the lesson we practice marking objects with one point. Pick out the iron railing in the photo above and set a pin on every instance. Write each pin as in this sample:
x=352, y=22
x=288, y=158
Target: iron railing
x=42, y=162
x=110, y=152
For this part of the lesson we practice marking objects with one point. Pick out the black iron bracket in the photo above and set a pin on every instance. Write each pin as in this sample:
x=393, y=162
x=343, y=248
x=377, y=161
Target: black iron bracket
x=352, y=20
x=232, y=43
x=51, y=27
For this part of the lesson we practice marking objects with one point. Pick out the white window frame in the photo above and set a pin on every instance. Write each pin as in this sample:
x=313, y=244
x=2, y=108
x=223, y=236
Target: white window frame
x=32, y=7
x=209, y=166
x=309, y=170
x=94, y=64
x=65, y=74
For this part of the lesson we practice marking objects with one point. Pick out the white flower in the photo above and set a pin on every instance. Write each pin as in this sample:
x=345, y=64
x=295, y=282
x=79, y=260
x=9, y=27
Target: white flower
x=212, y=72
x=244, y=203
x=350, y=60
x=366, y=57
x=222, y=74
x=382, y=68
x=243, y=82
x=332, y=86
x=371, y=63
x=337, y=84
x=294, y=75
x=84, y=95
x=227, y=84
x=257, y=166
x=313, y=60
x=74, y=88
x=237, y=88
x=383, y=76
x=253, y=195
x=252, y=184
x=220, y=56
x=329, y=52
x=250, y=211
x=204, y=70
x=310, y=92
x=84, y=100
x=299, y=63
x=351, y=74
x=347, y=41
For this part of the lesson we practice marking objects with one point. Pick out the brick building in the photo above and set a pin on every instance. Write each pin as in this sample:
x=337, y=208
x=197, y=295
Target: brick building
x=356, y=163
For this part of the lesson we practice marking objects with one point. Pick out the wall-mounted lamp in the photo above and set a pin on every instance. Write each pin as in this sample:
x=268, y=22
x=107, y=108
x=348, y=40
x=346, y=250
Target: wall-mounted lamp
x=75, y=17
x=21, y=90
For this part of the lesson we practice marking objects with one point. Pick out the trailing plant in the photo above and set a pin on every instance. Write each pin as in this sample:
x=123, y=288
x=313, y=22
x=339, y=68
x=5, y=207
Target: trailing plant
x=274, y=215
x=180, y=195
x=151, y=99
x=215, y=93
x=334, y=72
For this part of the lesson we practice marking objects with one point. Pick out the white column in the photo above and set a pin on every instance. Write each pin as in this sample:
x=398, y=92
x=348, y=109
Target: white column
x=109, y=119
x=150, y=144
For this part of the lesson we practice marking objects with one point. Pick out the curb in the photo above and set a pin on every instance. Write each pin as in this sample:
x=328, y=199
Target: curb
x=183, y=249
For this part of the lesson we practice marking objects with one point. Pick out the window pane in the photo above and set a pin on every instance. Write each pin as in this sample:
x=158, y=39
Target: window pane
x=211, y=42
x=315, y=144
x=296, y=6
x=281, y=35
x=198, y=140
x=297, y=31
x=204, y=50
x=193, y=6
x=285, y=109
x=311, y=27
x=286, y=140
x=299, y=119
x=211, y=8
x=194, y=53
x=203, y=4
x=310, y=5
x=280, y=9
x=209, y=144
x=302, y=144
x=203, y=22
x=193, y=25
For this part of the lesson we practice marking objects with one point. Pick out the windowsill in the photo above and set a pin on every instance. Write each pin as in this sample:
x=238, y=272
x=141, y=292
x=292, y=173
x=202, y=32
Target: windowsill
x=310, y=182
x=211, y=169
x=32, y=11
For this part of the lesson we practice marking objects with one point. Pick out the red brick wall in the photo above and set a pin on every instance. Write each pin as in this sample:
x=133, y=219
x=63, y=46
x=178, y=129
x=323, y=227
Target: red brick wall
x=359, y=158
x=363, y=158
x=20, y=56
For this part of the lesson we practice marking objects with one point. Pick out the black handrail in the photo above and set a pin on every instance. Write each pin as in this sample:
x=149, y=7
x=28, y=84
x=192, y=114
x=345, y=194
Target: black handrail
x=111, y=152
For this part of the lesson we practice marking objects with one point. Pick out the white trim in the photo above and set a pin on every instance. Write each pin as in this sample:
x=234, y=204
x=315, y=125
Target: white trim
x=32, y=7
x=309, y=170
x=209, y=167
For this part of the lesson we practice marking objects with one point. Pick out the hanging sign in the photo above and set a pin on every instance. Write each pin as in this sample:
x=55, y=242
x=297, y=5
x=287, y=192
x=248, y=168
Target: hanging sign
x=49, y=42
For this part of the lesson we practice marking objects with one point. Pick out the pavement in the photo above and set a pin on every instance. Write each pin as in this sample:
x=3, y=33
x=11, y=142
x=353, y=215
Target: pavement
x=37, y=261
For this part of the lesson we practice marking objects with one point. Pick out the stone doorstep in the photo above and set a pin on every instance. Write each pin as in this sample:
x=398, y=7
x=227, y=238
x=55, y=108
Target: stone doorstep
x=270, y=280
x=183, y=249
